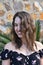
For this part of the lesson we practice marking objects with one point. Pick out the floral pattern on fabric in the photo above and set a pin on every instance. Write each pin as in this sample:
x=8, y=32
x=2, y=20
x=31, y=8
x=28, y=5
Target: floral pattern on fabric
x=20, y=59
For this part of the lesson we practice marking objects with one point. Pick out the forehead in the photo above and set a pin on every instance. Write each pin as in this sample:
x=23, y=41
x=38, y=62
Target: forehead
x=17, y=20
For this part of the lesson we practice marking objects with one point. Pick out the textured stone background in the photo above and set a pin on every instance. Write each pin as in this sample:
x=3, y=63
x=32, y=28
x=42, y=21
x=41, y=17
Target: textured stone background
x=9, y=7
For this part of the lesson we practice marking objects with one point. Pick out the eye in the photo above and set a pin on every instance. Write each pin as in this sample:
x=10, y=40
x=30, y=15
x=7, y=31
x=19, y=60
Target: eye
x=15, y=24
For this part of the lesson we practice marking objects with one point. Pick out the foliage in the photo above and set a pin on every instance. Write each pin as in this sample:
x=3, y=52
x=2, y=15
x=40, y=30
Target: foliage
x=3, y=40
x=37, y=23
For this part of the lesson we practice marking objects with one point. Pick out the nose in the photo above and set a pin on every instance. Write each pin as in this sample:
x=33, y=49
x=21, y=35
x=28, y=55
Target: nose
x=19, y=28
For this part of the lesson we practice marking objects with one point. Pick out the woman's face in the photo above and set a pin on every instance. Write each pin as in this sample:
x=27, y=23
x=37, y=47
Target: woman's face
x=18, y=27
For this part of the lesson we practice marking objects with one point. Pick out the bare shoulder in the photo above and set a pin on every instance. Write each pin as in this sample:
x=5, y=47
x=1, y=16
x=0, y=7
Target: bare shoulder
x=39, y=45
x=9, y=46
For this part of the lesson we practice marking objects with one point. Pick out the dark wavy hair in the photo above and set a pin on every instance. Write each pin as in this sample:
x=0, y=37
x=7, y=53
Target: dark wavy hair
x=27, y=27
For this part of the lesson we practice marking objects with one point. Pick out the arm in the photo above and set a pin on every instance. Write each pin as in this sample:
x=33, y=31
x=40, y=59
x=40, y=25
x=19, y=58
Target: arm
x=41, y=61
x=6, y=62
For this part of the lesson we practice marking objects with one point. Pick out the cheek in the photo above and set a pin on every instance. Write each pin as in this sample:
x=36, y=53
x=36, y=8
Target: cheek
x=15, y=28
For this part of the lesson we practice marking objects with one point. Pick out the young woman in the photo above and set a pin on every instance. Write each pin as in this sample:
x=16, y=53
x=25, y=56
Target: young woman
x=23, y=49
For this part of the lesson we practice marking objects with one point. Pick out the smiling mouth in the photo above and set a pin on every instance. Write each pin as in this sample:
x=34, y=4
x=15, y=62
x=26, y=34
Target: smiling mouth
x=19, y=33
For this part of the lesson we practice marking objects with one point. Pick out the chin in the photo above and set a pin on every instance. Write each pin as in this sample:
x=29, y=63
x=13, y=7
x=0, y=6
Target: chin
x=20, y=36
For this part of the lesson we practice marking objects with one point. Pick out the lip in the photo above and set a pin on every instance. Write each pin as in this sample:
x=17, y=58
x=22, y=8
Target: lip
x=19, y=33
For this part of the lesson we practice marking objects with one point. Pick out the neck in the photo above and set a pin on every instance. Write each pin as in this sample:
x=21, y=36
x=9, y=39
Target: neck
x=24, y=41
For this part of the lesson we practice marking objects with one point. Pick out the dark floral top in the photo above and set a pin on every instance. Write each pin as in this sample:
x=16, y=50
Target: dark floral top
x=21, y=59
